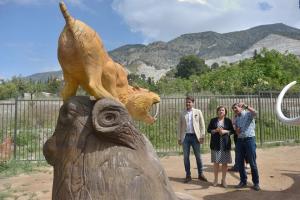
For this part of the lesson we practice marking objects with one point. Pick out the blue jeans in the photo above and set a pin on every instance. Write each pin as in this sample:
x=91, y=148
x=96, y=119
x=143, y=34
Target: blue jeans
x=191, y=140
x=247, y=146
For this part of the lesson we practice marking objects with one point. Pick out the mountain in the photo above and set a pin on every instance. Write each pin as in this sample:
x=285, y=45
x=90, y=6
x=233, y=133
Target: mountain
x=155, y=59
x=272, y=41
x=44, y=76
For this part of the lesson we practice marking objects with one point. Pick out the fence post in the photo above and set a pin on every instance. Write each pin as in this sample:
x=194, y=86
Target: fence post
x=15, y=128
x=259, y=119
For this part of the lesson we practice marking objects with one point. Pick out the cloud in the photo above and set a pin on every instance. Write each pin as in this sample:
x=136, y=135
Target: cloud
x=264, y=6
x=50, y=68
x=167, y=19
x=193, y=1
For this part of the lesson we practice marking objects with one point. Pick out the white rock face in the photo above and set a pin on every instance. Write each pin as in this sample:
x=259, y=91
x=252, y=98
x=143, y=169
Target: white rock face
x=151, y=72
x=272, y=41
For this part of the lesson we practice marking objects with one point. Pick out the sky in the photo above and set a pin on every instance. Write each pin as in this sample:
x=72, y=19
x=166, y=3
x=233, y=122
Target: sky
x=29, y=29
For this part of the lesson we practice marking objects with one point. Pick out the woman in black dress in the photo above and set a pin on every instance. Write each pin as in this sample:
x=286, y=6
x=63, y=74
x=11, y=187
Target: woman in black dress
x=220, y=128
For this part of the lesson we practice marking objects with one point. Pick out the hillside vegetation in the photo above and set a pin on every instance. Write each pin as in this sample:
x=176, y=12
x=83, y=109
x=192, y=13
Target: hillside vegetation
x=265, y=71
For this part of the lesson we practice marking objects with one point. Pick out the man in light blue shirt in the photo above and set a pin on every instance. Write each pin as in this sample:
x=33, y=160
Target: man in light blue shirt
x=246, y=146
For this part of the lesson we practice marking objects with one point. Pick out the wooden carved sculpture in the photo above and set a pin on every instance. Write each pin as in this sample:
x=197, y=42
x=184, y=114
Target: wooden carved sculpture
x=86, y=63
x=97, y=153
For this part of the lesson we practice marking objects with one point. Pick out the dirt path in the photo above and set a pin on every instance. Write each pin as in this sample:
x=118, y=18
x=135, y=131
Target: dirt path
x=279, y=170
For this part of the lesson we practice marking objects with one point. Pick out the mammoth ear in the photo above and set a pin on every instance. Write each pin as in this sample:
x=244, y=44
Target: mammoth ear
x=112, y=122
x=50, y=150
x=108, y=115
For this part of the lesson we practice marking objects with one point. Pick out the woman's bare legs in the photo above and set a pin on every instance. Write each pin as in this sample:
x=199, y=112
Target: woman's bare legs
x=224, y=171
x=216, y=171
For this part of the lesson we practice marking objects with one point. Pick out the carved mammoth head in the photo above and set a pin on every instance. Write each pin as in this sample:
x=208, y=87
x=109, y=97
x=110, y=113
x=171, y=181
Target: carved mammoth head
x=280, y=115
x=79, y=117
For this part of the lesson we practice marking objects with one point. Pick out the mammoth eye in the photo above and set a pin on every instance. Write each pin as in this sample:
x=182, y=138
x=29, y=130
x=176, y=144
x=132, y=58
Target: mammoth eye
x=107, y=120
x=110, y=117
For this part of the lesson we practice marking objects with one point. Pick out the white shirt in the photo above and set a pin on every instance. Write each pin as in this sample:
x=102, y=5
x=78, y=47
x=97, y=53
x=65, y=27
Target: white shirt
x=189, y=127
x=221, y=123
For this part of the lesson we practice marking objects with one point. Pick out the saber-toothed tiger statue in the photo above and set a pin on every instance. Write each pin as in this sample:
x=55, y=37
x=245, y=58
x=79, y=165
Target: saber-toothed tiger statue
x=86, y=63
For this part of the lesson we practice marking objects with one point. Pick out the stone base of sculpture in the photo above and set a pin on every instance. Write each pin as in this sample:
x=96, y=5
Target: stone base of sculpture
x=97, y=153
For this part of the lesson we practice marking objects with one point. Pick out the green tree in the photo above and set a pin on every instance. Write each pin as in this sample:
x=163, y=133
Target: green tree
x=172, y=86
x=189, y=65
x=53, y=85
x=20, y=84
x=214, y=66
x=141, y=81
x=171, y=73
x=8, y=90
x=132, y=78
x=268, y=70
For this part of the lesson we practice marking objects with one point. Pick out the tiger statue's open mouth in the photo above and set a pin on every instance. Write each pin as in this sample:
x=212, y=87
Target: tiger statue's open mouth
x=139, y=105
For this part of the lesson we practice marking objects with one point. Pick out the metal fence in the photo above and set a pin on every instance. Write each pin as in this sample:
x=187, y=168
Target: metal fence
x=25, y=125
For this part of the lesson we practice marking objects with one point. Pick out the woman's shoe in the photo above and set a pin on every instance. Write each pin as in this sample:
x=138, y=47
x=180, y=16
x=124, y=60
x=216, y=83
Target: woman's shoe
x=224, y=183
x=215, y=183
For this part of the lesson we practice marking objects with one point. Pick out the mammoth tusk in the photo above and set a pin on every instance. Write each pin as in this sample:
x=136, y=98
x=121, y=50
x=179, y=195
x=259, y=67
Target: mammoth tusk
x=157, y=111
x=280, y=115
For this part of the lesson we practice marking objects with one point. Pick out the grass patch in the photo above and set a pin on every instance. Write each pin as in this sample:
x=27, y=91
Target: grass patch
x=280, y=144
x=203, y=150
x=32, y=196
x=12, y=167
x=6, y=194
